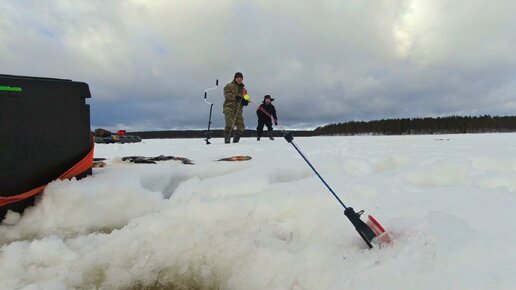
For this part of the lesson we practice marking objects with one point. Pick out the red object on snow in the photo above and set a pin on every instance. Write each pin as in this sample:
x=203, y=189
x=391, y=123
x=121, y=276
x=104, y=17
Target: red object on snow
x=379, y=231
x=121, y=132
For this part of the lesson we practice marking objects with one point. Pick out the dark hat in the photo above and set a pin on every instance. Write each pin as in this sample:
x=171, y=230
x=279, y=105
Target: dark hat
x=267, y=97
x=238, y=75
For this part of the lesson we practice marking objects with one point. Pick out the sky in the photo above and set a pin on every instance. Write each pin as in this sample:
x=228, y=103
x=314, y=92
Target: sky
x=148, y=63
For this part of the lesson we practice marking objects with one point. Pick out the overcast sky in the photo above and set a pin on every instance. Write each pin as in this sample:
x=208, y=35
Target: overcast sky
x=149, y=62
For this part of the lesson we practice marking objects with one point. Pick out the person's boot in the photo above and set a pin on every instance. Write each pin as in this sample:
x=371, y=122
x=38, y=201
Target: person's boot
x=270, y=135
x=258, y=136
x=236, y=138
x=227, y=138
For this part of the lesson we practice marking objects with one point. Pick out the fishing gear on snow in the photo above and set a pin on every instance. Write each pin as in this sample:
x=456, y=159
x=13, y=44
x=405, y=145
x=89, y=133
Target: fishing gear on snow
x=208, y=133
x=370, y=231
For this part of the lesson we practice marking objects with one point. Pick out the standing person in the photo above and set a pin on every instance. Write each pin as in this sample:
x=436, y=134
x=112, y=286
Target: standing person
x=263, y=119
x=233, y=106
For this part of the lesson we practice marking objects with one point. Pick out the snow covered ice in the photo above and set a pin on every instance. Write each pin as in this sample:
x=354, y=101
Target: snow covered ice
x=269, y=223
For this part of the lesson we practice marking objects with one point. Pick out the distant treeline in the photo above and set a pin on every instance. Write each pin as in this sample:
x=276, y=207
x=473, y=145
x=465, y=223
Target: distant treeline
x=202, y=134
x=439, y=125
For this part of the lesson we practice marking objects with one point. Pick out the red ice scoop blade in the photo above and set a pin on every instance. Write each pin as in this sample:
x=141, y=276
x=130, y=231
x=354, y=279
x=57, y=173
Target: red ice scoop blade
x=382, y=237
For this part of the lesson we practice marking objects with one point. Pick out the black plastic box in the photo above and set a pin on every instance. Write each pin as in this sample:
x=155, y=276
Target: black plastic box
x=44, y=130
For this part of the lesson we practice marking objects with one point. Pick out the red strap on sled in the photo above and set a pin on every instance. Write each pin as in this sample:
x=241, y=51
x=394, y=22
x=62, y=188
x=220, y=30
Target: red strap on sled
x=80, y=167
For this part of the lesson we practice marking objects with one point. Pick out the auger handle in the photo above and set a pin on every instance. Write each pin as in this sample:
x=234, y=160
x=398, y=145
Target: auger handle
x=206, y=91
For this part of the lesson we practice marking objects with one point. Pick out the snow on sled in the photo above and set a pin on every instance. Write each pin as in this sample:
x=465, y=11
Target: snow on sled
x=236, y=158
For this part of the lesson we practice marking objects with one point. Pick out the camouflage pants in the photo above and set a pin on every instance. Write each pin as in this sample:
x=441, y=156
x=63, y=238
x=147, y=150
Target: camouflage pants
x=229, y=115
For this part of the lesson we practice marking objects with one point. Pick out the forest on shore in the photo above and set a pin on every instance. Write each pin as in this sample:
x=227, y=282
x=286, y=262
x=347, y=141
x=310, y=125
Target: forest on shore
x=405, y=126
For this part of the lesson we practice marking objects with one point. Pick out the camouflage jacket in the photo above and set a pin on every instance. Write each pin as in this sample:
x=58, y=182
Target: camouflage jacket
x=232, y=90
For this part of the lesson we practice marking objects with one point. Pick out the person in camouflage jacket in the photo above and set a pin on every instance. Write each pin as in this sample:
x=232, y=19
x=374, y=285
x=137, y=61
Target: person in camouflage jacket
x=233, y=106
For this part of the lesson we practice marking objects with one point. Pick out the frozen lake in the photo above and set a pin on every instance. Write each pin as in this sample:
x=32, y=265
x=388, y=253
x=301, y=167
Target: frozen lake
x=269, y=223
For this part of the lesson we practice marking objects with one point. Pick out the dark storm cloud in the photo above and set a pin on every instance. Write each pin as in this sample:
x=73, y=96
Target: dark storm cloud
x=149, y=62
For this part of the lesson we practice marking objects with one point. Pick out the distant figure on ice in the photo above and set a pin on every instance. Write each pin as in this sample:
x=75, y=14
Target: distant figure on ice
x=264, y=119
x=234, y=102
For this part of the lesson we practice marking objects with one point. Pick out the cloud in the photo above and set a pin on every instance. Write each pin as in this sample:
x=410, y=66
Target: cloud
x=149, y=62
